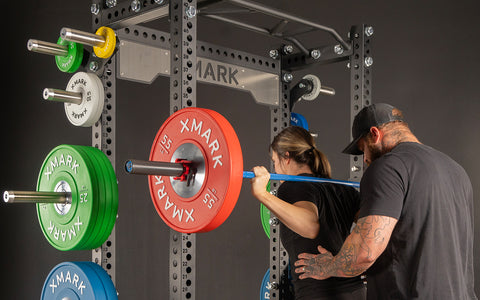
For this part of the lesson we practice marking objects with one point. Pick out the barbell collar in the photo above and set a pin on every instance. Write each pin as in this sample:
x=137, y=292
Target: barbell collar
x=82, y=37
x=47, y=48
x=36, y=197
x=158, y=168
x=62, y=96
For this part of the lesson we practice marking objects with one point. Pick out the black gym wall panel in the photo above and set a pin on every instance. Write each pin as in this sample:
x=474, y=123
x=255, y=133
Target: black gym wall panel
x=425, y=62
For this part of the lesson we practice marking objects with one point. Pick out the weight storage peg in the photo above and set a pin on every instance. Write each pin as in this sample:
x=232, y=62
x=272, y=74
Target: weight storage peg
x=69, y=56
x=309, y=88
x=83, y=98
x=195, y=170
x=103, y=40
x=82, y=280
x=317, y=88
x=76, y=197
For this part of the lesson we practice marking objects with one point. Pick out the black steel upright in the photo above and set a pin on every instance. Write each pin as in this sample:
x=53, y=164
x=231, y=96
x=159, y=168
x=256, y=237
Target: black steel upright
x=103, y=138
x=360, y=63
x=183, y=91
x=280, y=119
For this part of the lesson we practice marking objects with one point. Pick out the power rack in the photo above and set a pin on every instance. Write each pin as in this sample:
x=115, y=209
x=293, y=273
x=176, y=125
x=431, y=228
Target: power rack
x=143, y=54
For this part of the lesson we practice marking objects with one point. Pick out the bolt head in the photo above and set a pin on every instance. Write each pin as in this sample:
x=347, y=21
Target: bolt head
x=135, y=5
x=338, y=49
x=369, y=31
x=315, y=54
x=93, y=66
x=111, y=3
x=368, y=61
x=273, y=221
x=273, y=53
x=288, y=49
x=95, y=9
x=272, y=286
x=287, y=77
x=191, y=12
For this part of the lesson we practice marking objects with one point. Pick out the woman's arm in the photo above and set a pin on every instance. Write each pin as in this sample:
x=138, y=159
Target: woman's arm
x=301, y=217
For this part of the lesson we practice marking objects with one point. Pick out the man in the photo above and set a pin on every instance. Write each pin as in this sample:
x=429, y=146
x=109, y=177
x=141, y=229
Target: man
x=414, y=235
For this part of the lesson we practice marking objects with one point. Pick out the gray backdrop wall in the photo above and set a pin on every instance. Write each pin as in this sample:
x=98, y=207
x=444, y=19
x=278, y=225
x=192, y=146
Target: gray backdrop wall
x=425, y=62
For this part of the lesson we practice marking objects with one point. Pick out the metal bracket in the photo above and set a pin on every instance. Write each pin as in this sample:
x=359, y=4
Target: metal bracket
x=143, y=63
x=328, y=54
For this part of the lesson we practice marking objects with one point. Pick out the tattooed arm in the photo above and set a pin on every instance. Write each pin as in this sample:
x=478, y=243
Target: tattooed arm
x=359, y=251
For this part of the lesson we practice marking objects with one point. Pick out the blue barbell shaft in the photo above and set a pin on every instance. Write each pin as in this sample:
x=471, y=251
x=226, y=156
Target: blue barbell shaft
x=176, y=169
x=284, y=177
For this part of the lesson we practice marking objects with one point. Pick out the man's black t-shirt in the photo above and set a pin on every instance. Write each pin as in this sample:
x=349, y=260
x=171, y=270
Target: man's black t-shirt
x=337, y=206
x=430, y=252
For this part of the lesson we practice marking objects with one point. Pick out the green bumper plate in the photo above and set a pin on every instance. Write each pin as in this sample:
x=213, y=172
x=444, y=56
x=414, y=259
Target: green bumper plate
x=73, y=60
x=88, y=174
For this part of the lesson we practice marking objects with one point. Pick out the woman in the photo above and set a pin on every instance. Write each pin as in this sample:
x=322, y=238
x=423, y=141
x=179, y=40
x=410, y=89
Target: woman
x=311, y=213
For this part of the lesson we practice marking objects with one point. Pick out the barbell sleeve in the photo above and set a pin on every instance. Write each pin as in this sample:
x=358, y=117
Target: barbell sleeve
x=47, y=48
x=284, y=177
x=62, y=96
x=177, y=169
x=82, y=37
x=36, y=197
x=154, y=168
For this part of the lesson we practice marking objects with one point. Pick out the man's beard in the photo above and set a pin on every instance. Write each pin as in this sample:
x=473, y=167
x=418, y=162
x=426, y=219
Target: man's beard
x=375, y=152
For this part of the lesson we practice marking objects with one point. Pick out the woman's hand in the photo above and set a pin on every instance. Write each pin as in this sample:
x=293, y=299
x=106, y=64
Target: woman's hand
x=260, y=182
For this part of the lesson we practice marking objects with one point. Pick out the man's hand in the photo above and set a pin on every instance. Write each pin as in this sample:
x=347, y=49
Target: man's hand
x=314, y=266
x=362, y=247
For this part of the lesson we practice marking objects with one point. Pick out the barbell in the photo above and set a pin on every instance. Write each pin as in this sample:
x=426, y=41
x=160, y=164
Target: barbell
x=195, y=170
x=184, y=170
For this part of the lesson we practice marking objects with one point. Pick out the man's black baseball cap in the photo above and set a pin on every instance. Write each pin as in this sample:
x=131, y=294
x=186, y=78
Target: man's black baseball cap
x=373, y=115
